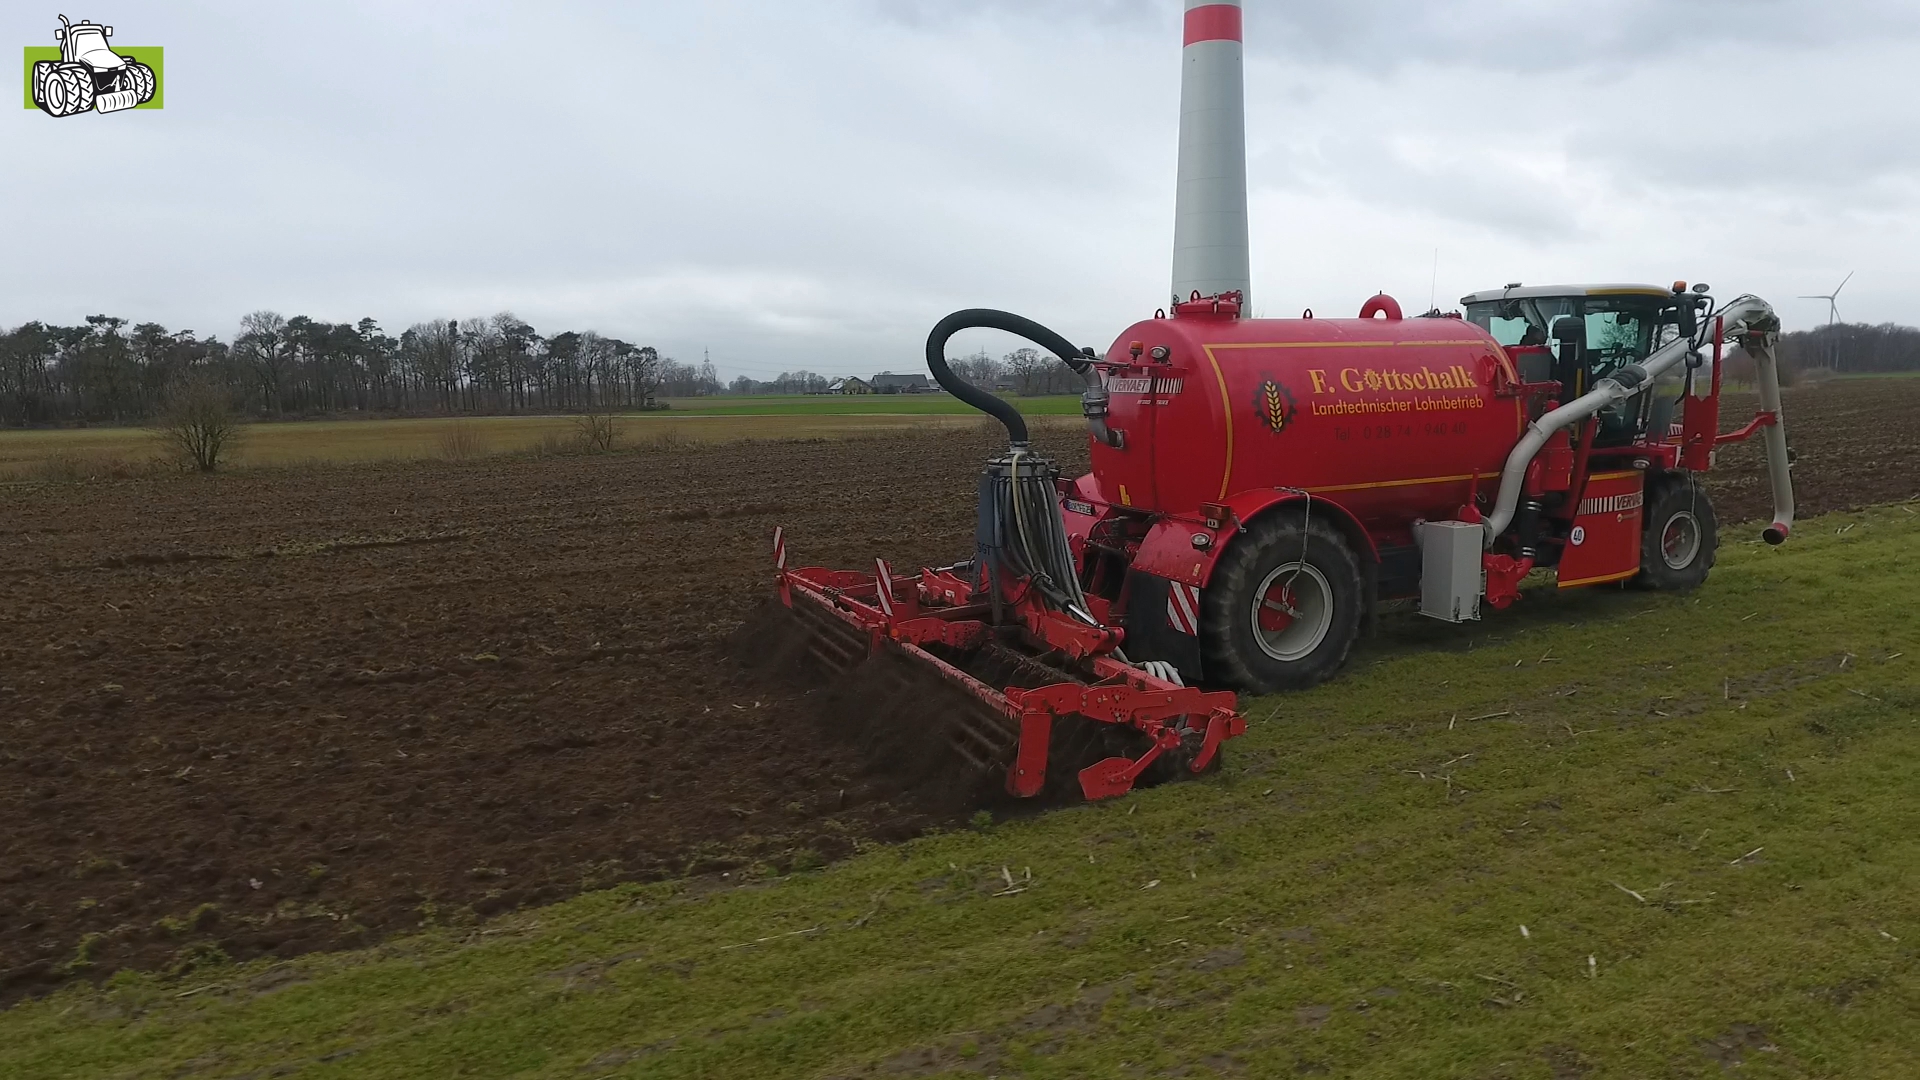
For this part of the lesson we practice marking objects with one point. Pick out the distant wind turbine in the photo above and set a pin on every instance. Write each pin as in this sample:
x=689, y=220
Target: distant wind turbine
x=1833, y=308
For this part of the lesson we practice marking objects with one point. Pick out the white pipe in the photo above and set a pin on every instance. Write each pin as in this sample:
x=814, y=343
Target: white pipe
x=1759, y=344
x=1210, y=204
x=1748, y=315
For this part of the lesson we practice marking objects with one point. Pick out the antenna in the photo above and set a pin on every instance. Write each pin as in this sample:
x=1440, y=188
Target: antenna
x=1832, y=298
x=1433, y=286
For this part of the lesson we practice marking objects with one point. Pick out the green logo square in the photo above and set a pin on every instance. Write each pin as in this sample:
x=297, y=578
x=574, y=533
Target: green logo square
x=151, y=55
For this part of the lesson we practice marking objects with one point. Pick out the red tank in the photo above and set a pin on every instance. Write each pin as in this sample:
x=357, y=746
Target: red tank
x=1393, y=419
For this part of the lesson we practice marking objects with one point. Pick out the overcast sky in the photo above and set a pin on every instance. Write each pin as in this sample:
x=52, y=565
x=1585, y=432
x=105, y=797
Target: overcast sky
x=813, y=184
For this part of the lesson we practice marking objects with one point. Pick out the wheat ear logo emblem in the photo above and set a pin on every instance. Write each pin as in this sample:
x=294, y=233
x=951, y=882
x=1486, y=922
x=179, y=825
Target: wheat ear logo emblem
x=1274, y=405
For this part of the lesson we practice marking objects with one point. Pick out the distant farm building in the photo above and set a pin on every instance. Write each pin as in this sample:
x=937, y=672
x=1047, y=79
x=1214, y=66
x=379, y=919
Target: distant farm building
x=850, y=385
x=888, y=383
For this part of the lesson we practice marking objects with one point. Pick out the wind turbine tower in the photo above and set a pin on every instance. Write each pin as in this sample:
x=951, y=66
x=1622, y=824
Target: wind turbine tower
x=1833, y=316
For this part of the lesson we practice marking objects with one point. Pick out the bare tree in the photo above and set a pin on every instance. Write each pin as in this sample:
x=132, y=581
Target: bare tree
x=197, y=421
x=597, y=430
x=263, y=345
x=981, y=370
x=647, y=368
x=1029, y=370
x=462, y=440
x=515, y=345
x=599, y=362
x=433, y=348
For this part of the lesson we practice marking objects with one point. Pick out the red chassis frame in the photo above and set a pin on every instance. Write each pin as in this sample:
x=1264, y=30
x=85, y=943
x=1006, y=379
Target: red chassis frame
x=906, y=612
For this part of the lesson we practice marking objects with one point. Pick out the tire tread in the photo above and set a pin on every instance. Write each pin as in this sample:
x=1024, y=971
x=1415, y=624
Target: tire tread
x=1271, y=541
x=1665, y=496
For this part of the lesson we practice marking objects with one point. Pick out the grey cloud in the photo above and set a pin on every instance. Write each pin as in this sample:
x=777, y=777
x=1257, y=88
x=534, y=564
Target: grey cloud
x=814, y=184
x=1128, y=14
x=1382, y=36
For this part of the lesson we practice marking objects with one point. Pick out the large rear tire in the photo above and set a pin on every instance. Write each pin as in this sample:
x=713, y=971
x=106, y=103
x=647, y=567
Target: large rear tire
x=68, y=89
x=1283, y=607
x=1680, y=537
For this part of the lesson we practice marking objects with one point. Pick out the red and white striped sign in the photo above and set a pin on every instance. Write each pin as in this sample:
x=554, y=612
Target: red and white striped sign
x=884, y=581
x=779, y=548
x=1183, y=608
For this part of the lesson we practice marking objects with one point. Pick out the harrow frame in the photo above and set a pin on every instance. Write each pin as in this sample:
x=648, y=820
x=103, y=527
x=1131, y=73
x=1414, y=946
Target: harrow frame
x=855, y=615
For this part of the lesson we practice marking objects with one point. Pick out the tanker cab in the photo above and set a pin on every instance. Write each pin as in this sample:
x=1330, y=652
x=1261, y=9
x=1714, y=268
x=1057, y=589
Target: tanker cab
x=1578, y=335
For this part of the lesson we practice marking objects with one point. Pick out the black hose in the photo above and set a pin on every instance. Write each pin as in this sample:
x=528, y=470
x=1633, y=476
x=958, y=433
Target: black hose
x=990, y=319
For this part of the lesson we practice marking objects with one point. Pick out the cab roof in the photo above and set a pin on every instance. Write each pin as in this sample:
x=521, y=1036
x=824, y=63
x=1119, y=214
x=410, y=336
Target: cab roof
x=1520, y=292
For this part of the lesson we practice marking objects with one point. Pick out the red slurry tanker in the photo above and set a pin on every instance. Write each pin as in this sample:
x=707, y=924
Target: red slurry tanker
x=1260, y=486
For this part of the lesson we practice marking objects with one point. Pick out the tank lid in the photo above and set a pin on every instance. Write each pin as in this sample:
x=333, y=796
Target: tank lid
x=1224, y=306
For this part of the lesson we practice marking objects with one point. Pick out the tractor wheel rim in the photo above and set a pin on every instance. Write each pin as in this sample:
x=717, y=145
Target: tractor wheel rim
x=1680, y=540
x=1292, y=611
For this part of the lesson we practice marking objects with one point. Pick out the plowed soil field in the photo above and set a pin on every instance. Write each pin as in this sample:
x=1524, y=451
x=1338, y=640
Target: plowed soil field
x=272, y=712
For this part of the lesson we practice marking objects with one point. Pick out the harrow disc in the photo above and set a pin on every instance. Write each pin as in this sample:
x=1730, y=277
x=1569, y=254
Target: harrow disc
x=938, y=715
x=828, y=640
x=899, y=704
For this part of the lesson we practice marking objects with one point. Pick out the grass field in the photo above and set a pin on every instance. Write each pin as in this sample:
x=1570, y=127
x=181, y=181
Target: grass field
x=26, y=454
x=1605, y=834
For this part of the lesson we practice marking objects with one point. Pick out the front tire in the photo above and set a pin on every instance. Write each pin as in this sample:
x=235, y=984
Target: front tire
x=1680, y=538
x=68, y=90
x=1283, y=607
x=141, y=81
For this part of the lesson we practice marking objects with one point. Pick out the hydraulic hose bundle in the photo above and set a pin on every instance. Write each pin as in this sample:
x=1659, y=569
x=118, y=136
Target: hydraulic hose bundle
x=1019, y=528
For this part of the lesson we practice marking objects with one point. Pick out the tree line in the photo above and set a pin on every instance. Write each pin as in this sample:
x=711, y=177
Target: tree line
x=109, y=372
x=1853, y=348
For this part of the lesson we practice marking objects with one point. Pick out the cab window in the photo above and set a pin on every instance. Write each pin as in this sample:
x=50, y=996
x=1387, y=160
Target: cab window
x=1519, y=321
x=1617, y=334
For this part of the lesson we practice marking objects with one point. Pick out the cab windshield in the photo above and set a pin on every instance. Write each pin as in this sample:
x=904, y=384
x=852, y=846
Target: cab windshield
x=1620, y=329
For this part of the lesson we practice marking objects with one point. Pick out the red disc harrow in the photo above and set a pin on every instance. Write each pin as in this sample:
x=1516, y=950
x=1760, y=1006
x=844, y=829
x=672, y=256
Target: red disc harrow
x=1022, y=666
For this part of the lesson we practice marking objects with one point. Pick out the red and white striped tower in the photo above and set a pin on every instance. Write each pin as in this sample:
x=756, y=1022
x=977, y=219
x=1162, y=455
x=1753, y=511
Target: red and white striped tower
x=1210, y=208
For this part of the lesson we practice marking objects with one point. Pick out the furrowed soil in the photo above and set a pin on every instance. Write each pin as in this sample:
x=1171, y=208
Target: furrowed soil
x=274, y=712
